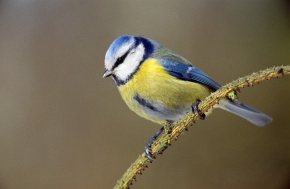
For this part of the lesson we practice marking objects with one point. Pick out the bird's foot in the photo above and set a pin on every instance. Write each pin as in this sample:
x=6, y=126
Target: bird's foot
x=195, y=109
x=147, y=149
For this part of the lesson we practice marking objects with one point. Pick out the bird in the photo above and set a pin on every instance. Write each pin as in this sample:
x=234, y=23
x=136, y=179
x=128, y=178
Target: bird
x=162, y=86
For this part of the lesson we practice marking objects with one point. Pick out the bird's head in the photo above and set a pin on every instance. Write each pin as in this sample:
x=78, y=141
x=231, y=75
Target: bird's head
x=125, y=55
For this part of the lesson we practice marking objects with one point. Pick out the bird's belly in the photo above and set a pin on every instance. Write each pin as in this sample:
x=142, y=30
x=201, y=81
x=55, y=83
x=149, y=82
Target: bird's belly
x=165, y=100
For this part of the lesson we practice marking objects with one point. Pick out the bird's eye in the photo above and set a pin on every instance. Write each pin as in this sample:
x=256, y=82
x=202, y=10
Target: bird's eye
x=120, y=60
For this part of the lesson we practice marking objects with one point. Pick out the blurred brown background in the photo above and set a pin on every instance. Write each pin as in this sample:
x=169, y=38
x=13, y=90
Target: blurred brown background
x=64, y=127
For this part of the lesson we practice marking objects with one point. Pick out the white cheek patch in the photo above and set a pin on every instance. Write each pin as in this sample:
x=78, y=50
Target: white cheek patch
x=111, y=56
x=131, y=63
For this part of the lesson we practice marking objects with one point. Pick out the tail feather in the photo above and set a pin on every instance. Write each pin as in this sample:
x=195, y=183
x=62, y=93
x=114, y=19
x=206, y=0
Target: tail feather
x=246, y=112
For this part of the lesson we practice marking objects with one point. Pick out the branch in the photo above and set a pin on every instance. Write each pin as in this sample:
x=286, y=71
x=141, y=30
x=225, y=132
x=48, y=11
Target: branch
x=182, y=125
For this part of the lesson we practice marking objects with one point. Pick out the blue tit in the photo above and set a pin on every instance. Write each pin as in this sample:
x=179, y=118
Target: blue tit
x=161, y=86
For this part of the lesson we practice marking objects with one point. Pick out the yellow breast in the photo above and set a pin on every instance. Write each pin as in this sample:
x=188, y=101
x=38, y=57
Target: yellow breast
x=152, y=83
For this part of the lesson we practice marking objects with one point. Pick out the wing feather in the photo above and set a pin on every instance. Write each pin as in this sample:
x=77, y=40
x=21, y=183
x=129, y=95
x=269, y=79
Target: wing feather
x=188, y=72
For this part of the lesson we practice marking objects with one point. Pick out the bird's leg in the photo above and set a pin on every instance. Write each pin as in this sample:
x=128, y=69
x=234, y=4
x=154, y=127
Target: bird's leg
x=147, y=149
x=195, y=109
x=167, y=128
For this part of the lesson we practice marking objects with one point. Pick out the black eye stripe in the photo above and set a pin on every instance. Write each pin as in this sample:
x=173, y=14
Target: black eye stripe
x=120, y=60
x=148, y=51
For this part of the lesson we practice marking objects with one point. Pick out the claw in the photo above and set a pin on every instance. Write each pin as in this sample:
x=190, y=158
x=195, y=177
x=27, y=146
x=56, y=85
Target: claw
x=147, y=149
x=195, y=109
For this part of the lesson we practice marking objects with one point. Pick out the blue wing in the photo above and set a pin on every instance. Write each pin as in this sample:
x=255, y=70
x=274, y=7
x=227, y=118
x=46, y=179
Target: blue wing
x=188, y=72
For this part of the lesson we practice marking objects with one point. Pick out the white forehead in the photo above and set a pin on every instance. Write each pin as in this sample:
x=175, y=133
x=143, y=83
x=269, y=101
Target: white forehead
x=117, y=49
